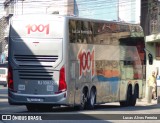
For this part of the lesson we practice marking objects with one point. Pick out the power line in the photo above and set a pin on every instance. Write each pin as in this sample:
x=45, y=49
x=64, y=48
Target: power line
x=72, y=3
x=94, y=7
x=99, y=7
x=80, y=3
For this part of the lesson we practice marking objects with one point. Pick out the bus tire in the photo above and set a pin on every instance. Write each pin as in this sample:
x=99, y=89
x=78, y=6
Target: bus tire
x=5, y=85
x=83, y=103
x=134, y=97
x=92, y=99
x=128, y=100
x=122, y=103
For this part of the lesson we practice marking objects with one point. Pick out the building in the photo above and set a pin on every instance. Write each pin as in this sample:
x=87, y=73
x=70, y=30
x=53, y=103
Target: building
x=150, y=20
x=18, y=7
x=3, y=39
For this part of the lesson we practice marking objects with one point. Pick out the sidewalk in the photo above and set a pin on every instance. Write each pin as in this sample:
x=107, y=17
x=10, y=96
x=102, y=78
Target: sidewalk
x=144, y=102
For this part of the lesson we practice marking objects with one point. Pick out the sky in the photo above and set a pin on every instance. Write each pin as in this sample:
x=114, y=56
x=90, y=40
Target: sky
x=124, y=10
x=100, y=9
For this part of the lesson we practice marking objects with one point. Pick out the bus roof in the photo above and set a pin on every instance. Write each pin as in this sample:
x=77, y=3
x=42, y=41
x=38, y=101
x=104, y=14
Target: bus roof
x=134, y=29
x=41, y=16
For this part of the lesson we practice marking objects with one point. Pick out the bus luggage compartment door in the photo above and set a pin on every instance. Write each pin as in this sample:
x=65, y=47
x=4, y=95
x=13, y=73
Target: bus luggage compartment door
x=40, y=82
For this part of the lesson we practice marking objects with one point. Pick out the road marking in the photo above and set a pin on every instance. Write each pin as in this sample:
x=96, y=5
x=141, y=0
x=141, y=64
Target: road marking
x=3, y=100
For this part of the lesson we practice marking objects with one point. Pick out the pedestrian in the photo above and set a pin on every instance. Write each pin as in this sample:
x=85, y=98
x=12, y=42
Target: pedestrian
x=152, y=84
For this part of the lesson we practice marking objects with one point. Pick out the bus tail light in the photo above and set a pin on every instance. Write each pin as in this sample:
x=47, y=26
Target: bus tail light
x=10, y=77
x=62, y=82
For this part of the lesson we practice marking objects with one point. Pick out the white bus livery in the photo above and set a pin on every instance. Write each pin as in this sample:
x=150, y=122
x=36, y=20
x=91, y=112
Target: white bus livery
x=60, y=60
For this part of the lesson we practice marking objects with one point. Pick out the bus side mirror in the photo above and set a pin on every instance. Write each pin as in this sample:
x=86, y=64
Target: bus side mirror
x=150, y=58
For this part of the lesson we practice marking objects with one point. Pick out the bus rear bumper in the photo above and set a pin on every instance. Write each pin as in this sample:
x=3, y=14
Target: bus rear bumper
x=24, y=99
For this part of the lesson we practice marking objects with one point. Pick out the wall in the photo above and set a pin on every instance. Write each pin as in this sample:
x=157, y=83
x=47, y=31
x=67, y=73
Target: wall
x=3, y=40
x=156, y=63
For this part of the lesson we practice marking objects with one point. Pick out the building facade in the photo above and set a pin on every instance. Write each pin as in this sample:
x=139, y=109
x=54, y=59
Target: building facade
x=3, y=39
x=18, y=7
x=150, y=21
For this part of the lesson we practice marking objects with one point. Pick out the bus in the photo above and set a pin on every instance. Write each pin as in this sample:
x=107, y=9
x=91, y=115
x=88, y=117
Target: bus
x=58, y=60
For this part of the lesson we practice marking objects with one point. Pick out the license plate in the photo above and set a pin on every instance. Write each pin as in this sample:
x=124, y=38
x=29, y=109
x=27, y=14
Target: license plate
x=35, y=99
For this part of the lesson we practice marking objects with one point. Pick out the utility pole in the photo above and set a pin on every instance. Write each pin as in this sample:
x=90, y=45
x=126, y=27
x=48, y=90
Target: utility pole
x=145, y=16
x=118, y=19
x=22, y=7
x=15, y=7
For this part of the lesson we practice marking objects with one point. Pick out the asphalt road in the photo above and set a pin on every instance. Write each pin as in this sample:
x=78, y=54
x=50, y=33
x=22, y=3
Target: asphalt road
x=107, y=112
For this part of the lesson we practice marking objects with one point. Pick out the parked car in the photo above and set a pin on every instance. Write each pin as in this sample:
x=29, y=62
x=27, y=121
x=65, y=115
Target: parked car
x=3, y=76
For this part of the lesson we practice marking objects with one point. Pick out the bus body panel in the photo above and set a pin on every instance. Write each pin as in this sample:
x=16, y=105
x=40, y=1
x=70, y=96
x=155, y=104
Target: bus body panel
x=44, y=52
x=107, y=86
x=87, y=53
x=38, y=54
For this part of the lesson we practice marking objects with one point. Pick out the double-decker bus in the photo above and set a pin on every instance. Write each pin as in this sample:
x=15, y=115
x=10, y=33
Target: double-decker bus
x=59, y=60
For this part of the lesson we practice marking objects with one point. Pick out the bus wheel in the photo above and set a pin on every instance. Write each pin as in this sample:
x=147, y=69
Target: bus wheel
x=122, y=103
x=134, y=97
x=5, y=85
x=127, y=102
x=92, y=99
x=83, y=101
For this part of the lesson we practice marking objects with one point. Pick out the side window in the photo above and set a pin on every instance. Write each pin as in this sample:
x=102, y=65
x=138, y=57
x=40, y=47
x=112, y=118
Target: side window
x=87, y=32
x=84, y=31
x=91, y=32
x=72, y=31
x=81, y=32
x=78, y=31
x=98, y=33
